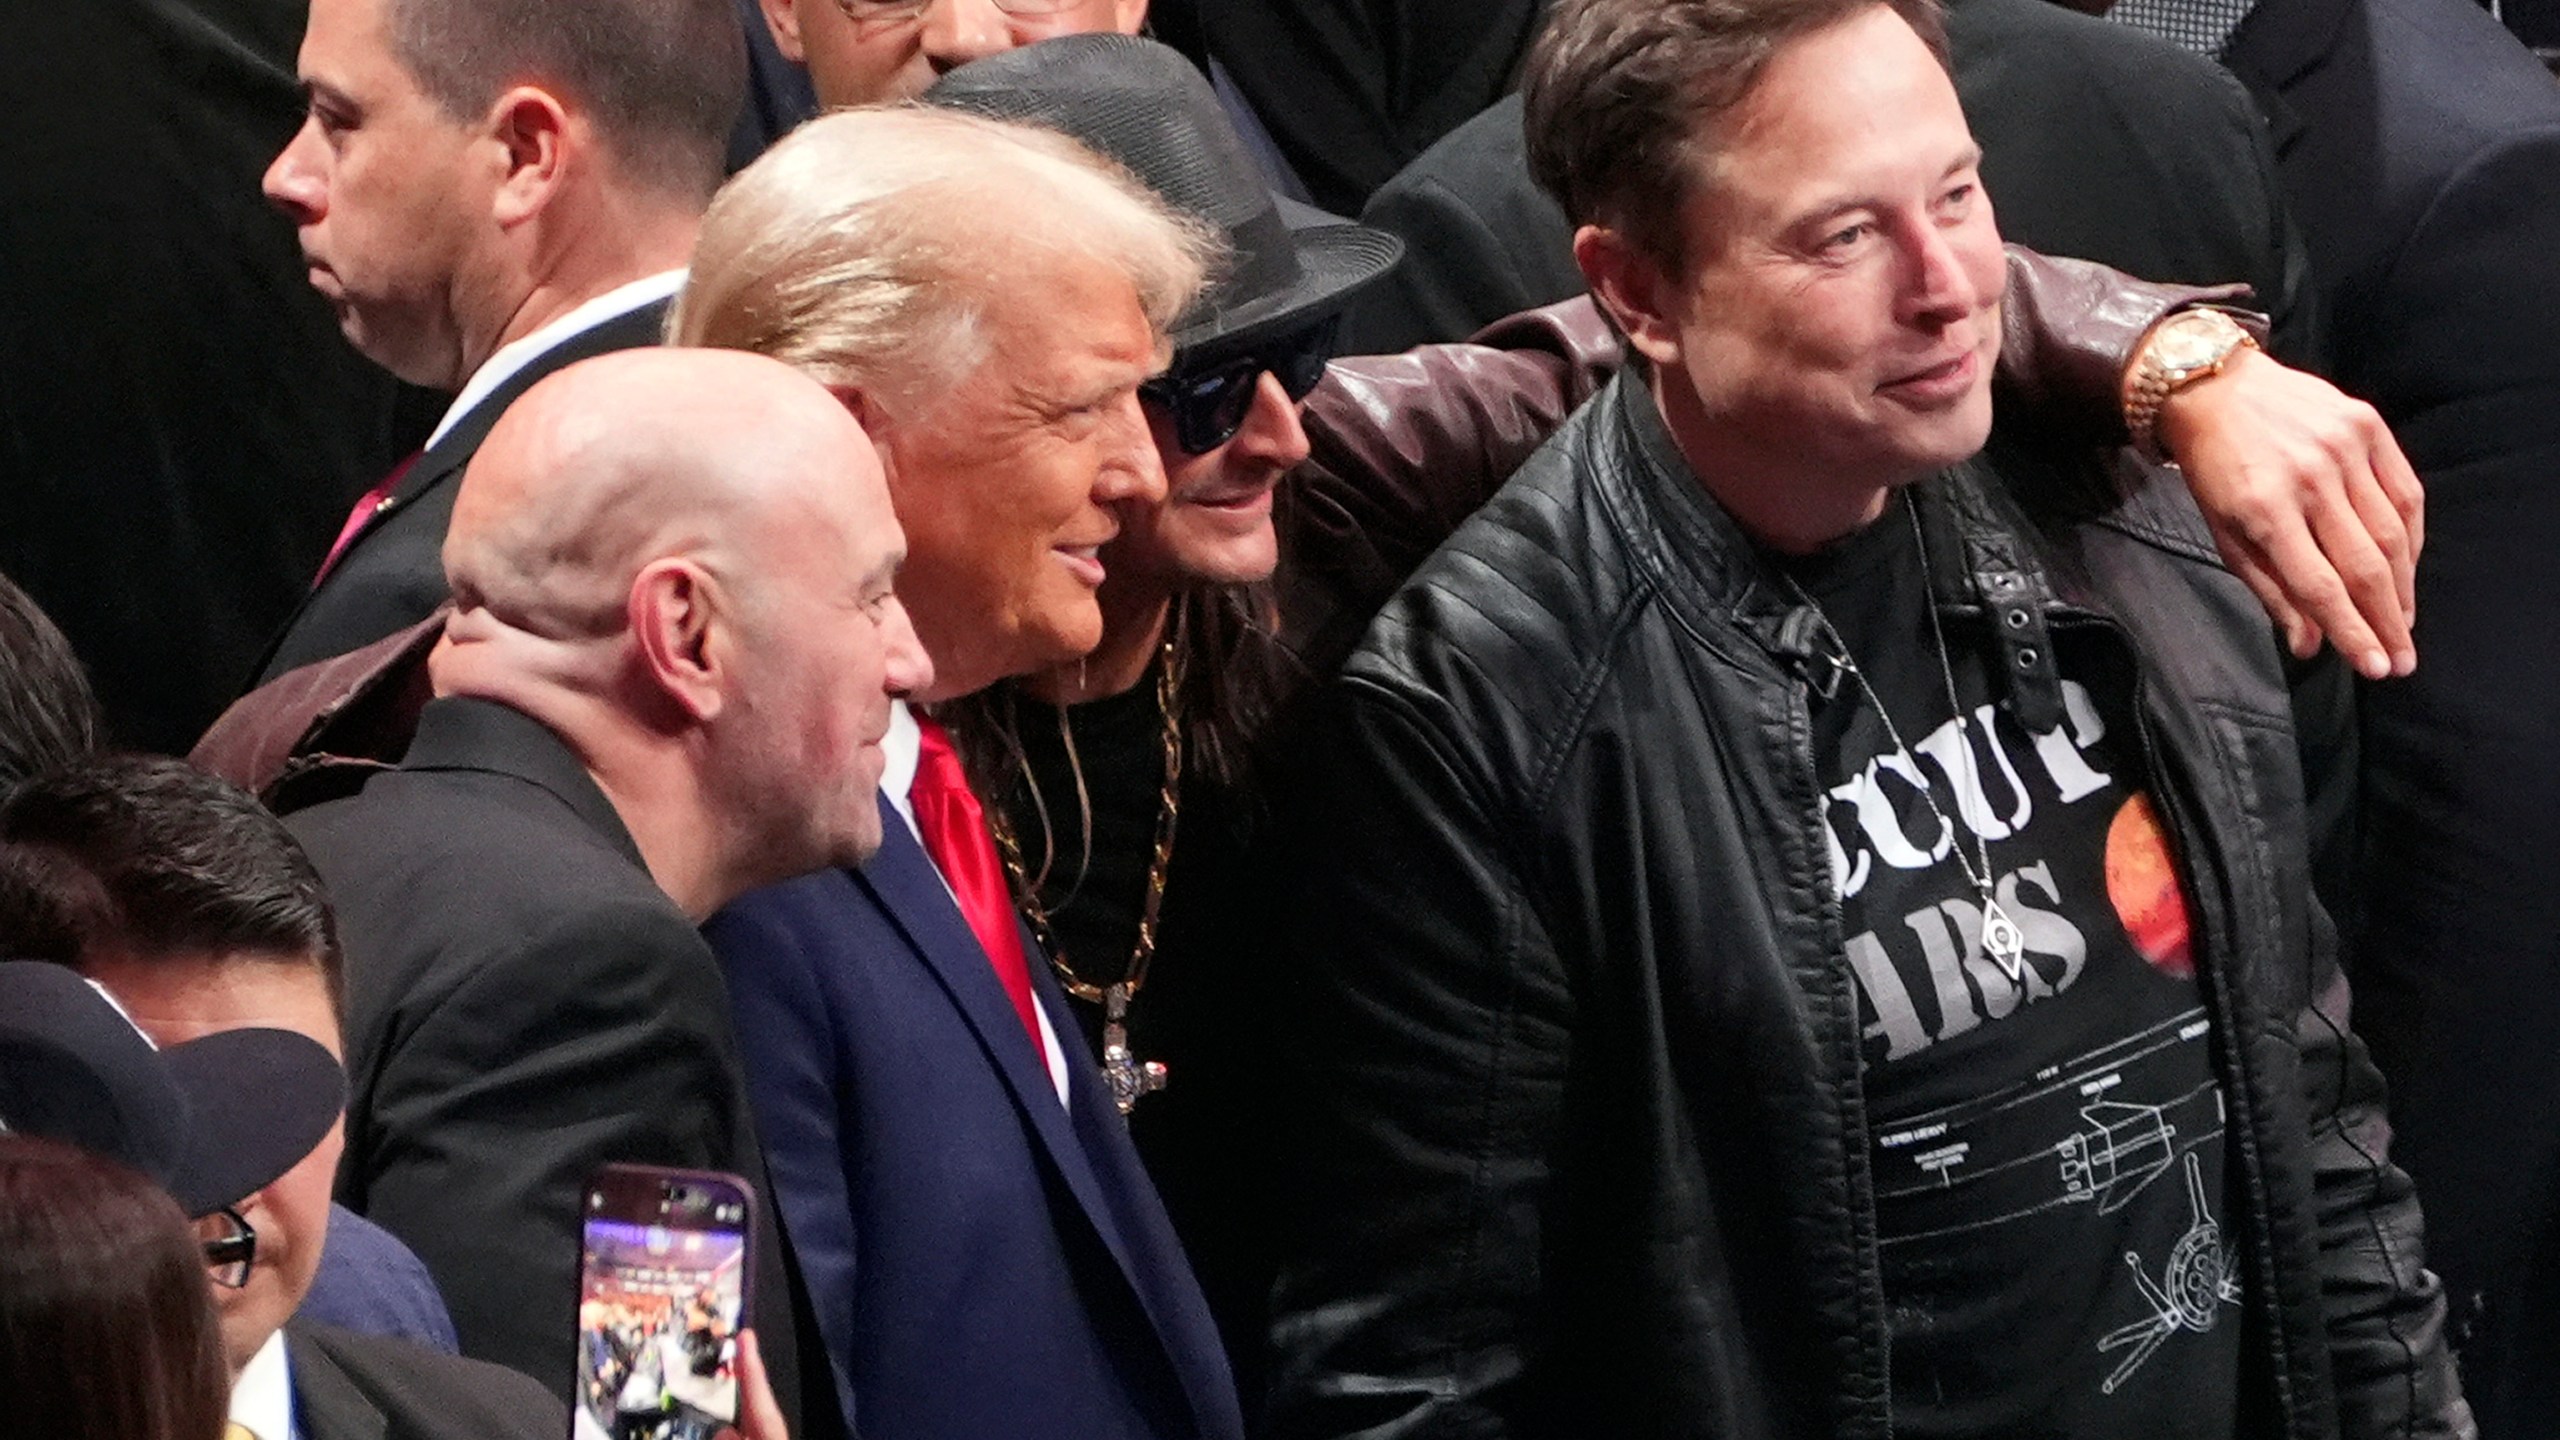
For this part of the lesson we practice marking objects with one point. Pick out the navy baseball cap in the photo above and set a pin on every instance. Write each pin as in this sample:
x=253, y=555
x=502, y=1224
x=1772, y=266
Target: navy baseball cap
x=213, y=1120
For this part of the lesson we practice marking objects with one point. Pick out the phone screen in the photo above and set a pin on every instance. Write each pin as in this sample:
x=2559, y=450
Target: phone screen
x=660, y=1303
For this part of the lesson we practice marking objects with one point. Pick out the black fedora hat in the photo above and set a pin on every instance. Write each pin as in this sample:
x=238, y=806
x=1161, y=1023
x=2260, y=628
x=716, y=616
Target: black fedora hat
x=213, y=1120
x=1143, y=105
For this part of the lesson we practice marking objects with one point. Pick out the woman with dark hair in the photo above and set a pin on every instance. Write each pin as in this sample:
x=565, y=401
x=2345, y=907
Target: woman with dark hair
x=107, y=1329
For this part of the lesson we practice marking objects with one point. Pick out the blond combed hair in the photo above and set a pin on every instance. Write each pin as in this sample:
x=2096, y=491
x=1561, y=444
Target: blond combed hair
x=869, y=247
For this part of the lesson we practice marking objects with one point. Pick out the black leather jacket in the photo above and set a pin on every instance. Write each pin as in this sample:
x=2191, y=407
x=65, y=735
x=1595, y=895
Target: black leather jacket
x=1583, y=1147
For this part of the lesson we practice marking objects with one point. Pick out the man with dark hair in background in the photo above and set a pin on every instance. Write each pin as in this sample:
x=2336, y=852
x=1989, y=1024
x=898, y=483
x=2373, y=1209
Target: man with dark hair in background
x=487, y=191
x=198, y=913
x=1803, y=923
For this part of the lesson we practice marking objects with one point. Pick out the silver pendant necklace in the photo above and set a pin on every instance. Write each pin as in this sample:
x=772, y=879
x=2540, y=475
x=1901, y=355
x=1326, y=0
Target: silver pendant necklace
x=2002, y=940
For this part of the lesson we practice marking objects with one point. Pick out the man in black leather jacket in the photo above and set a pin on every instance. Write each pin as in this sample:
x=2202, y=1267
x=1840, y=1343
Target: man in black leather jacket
x=1795, y=943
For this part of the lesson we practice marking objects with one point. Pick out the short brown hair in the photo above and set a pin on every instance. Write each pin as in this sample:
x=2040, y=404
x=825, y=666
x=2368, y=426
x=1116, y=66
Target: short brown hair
x=156, y=859
x=663, y=80
x=1617, y=92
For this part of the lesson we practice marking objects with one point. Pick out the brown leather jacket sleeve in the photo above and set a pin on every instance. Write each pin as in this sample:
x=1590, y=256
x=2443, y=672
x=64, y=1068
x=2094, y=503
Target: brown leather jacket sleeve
x=1403, y=447
x=320, y=731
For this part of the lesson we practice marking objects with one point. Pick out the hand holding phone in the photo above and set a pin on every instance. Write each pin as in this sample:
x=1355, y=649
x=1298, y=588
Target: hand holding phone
x=662, y=1299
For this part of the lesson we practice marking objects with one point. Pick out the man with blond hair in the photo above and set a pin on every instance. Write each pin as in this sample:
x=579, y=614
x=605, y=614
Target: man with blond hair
x=983, y=1248
x=664, y=683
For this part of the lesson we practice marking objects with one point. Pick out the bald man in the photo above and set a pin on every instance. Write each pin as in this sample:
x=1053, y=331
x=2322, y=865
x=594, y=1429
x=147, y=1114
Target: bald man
x=665, y=681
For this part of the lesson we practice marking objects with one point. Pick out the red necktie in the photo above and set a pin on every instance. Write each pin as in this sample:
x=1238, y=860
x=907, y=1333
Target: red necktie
x=954, y=828
x=366, y=506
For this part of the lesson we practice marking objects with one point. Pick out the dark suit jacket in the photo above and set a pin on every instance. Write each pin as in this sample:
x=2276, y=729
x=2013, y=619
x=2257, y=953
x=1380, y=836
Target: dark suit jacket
x=2420, y=147
x=348, y=1386
x=181, y=426
x=523, y=1005
x=984, y=1261
x=392, y=574
x=2097, y=142
x=1352, y=90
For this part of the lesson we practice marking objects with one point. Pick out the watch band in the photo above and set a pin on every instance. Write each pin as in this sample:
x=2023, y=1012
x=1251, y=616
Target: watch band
x=2202, y=342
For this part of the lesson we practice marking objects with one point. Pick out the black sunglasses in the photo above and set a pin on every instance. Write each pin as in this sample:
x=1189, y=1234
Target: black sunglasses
x=1209, y=400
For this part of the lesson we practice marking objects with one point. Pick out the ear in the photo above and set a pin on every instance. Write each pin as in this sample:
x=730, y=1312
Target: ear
x=858, y=403
x=532, y=131
x=679, y=635
x=1633, y=287
x=782, y=17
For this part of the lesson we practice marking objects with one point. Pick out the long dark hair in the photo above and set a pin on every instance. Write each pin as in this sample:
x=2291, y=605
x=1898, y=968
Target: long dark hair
x=107, y=1327
x=1231, y=672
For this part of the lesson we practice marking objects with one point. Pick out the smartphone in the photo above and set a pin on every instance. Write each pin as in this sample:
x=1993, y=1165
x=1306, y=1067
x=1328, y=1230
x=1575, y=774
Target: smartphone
x=662, y=1293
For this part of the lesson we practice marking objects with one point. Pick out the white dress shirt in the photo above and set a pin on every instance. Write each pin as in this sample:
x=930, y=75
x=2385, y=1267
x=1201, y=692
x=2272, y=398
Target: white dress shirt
x=513, y=356
x=262, y=1398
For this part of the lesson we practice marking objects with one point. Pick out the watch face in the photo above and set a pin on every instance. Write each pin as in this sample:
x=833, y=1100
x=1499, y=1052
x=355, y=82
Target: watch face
x=2191, y=341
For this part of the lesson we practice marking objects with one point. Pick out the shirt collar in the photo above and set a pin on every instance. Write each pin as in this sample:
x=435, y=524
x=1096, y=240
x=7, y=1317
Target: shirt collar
x=516, y=354
x=262, y=1398
x=900, y=751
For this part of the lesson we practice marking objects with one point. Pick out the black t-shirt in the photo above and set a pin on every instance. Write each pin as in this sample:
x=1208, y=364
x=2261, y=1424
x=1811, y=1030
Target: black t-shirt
x=2048, y=1153
x=1201, y=1012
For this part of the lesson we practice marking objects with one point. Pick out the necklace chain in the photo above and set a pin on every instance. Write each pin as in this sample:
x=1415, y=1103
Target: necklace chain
x=2000, y=935
x=1159, y=864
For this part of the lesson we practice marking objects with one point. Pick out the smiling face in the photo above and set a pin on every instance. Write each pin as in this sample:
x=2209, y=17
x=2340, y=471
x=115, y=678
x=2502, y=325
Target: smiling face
x=1007, y=482
x=177, y=998
x=863, y=52
x=383, y=188
x=1836, y=327
x=1214, y=527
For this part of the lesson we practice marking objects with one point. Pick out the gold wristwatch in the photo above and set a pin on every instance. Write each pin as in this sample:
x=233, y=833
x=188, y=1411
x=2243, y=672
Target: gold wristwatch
x=2181, y=350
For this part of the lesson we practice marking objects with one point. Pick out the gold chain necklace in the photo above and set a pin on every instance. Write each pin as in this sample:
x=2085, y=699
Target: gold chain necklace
x=1126, y=1076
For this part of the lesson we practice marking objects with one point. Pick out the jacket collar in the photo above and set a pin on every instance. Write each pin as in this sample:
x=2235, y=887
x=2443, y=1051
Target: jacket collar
x=1981, y=558
x=459, y=732
x=631, y=330
x=2282, y=40
x=902, y=880
x=326, y=1400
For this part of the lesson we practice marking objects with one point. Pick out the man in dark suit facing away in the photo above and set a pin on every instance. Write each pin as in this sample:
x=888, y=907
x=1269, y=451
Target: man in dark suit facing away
x=664, y=682
x=2419, y=146
x=487, y=191
x=181, y=426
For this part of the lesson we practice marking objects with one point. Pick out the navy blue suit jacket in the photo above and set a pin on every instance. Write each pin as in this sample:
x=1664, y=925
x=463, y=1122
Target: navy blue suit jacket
x=982, y=1260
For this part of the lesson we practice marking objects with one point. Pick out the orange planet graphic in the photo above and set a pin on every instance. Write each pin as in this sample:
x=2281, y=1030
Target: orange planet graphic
x=2142, y=883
